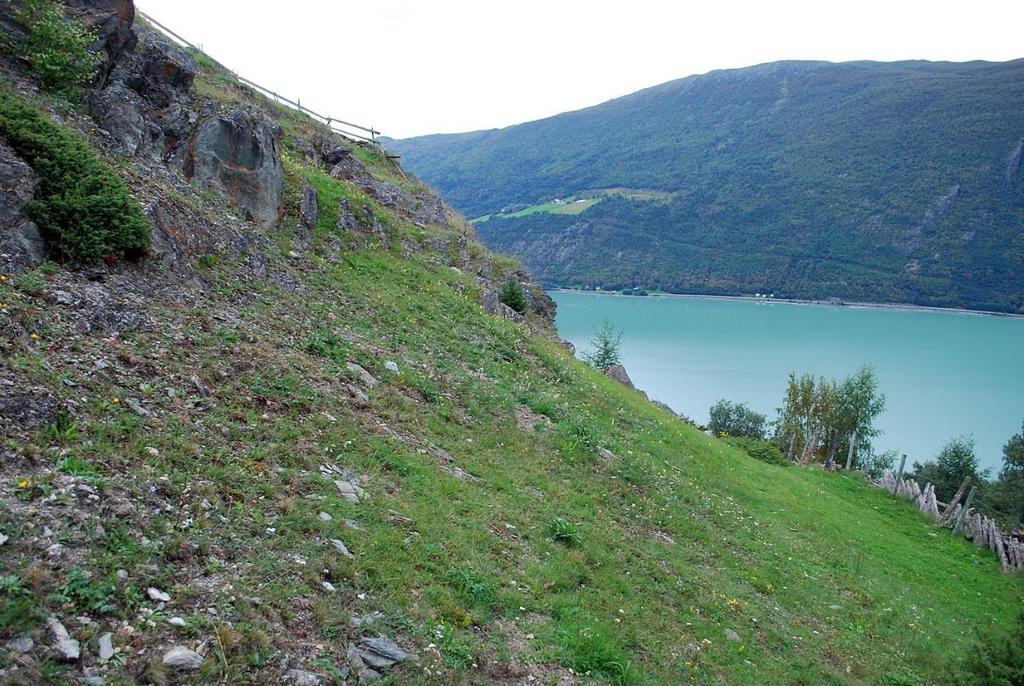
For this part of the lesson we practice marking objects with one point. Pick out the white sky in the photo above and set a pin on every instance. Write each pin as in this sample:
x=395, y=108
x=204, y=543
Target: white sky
x=411, y=67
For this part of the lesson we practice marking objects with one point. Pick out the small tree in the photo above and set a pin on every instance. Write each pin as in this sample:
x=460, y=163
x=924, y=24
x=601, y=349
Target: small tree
x=56, y=47
x=1008, y=492
x=512, y=294
x=736, y=419
x=955, y=461
x=606, y=345
x=819, y=416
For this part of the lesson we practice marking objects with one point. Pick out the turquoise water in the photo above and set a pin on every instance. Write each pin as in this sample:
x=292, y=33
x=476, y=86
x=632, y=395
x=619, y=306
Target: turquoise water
x=943, y=373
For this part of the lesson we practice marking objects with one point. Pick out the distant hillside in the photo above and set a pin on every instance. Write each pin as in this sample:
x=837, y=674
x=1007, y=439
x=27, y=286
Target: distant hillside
x=889, y=182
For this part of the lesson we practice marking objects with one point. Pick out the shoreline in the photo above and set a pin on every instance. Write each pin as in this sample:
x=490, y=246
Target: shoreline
x=904, y=307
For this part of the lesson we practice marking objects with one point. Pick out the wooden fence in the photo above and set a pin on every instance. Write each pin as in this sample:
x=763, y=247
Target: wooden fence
x=340, y=126
x=959, y=516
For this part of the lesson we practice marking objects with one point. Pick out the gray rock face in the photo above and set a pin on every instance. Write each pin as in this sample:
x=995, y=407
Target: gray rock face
x=118, y=111
x=506, y=312
x=539, y=301
x=146, y=105
x=308, y=210
x=238, y=154
x=489, y=298
x=618, y=372
x=180, y=657
x=166, y=71
x=21, y=244
x=333, y=153
x=112, y=21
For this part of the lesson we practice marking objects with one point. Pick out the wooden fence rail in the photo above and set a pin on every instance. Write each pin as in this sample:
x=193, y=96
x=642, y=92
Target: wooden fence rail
x=960, y=517
x=340, y=126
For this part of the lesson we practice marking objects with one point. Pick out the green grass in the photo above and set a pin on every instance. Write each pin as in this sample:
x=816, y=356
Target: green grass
x=578, y=204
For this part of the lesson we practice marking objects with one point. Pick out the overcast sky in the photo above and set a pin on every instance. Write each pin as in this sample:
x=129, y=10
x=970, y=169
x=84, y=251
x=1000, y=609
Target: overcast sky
x=410, y=67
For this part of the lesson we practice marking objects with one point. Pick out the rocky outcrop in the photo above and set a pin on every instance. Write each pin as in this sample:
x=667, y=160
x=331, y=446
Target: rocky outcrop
x=21, y=244
x=119, y=112
x=618, y=372
x=112, y=21
x=146, y=107
x=421, y=207
x=238, y=154
x=181, y=233
x=308, y=211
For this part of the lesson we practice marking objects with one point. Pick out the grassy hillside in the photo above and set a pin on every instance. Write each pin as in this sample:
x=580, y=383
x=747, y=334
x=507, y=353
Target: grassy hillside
x=630, y=570
x=889, y=182
x=183, y=489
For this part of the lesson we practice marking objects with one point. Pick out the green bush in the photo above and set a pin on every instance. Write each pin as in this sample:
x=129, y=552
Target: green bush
x=512, y=294
x=997, y=660
x=766, y=451
x=736, y=419
x=81, y=205
x=57, y=48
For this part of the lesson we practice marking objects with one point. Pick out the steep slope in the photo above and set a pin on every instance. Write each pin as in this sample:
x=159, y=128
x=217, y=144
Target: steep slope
x=866, y=181
x=304, y=447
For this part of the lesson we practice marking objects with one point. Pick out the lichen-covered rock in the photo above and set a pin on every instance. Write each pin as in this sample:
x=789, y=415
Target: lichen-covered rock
x=21, y=244
x=238, y=154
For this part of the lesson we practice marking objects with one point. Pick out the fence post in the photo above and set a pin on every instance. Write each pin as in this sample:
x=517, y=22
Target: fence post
x=899, y=474
x=947, y=513
x=963, y=510
x=849, y=453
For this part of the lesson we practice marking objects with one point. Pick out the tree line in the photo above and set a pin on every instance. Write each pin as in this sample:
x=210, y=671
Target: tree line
x=832, y=423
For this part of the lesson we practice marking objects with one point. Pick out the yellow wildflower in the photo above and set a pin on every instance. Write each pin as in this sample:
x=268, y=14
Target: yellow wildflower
x=115, y=400
x=35, y=336
x=23, y=483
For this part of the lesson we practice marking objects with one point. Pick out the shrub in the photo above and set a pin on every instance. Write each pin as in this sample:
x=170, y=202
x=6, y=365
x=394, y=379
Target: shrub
x=56, y=48
x=995, y=661
x=736, y=419
x=512, y=294
x=81, y=206
x=766, y=451
x=874, y=465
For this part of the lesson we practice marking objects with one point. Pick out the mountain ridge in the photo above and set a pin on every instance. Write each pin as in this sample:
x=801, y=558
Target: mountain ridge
x=812, y=179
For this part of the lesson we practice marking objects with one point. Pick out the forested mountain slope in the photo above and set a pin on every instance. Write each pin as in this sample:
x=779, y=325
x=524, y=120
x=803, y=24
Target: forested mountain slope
x=889, y=182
